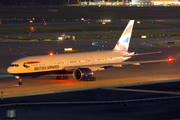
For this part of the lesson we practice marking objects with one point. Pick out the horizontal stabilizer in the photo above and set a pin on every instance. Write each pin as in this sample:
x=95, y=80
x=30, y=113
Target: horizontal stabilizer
x=131, y=55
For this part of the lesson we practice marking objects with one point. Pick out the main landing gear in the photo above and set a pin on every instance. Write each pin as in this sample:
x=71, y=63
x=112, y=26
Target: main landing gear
x=92, y=79
x=62, y=77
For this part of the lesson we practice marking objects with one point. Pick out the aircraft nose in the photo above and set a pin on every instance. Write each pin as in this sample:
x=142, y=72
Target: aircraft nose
x=10, y=69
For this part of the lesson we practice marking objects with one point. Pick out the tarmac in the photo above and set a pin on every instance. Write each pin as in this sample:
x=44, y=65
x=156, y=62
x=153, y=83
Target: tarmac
x=129, y=74
x=151, y=101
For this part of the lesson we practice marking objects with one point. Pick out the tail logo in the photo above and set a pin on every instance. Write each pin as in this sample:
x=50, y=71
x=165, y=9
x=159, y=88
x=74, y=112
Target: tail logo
x=126, y=40
x=123, y=42
x=121, y=47
x=128, y=30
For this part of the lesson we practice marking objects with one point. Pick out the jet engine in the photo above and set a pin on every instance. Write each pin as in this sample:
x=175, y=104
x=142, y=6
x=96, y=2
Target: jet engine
x=82, y=74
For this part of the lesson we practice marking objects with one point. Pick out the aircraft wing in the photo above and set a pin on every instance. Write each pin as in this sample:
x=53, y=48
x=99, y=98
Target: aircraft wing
x=98, y=67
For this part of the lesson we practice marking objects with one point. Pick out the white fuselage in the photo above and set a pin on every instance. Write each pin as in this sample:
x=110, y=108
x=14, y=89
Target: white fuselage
x=43, y=63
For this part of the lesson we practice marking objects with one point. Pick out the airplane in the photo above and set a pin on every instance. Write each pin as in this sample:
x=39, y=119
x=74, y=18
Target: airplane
x=81, y=65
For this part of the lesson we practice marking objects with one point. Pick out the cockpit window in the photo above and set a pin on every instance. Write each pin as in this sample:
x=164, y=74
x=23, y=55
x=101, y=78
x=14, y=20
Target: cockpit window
x=15, y=65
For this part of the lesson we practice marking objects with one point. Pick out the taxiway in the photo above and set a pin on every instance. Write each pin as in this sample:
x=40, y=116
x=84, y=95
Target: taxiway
x=129, y=74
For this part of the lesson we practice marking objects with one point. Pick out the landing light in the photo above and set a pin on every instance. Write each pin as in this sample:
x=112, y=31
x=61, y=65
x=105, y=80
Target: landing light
x=17, y=77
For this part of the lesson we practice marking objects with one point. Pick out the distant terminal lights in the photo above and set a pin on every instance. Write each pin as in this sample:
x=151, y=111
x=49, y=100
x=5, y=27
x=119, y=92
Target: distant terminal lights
x=104, y=20
x=131, y=2
x=165, y=2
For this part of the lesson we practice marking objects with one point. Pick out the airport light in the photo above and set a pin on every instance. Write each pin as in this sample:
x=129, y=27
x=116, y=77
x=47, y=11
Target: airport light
x=60, y=38
x=32, y=29
x=67, y=49
x=143, y=36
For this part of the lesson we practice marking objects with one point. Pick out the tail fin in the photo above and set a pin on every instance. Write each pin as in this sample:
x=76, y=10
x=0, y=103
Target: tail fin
x=123, y=42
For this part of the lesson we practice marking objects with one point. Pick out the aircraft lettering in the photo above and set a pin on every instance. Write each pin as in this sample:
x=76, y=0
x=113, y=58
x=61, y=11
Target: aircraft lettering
x=52, y=67
x=40, y=68
x=48, y=67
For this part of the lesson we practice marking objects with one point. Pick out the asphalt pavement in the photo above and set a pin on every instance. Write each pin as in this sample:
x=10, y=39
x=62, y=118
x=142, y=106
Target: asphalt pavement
x=157, y=101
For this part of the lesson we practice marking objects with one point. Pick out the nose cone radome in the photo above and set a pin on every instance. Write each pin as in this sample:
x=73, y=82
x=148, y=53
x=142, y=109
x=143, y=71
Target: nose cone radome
x=10, y=69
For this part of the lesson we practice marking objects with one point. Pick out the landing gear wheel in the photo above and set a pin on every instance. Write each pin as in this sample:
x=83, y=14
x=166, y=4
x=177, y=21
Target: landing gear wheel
x=93, y=79
x=62, y=77
x=20, y=82
x=58, y=77
x=66, y=77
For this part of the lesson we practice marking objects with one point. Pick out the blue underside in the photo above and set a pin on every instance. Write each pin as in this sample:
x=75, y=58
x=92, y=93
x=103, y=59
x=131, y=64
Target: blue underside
x=37, y=74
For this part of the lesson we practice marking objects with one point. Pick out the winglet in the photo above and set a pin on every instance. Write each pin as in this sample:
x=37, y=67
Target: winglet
x=123, y=42
x=26, y=55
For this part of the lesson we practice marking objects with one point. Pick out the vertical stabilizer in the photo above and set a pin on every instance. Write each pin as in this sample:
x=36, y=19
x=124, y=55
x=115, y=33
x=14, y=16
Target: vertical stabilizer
x=123, y=42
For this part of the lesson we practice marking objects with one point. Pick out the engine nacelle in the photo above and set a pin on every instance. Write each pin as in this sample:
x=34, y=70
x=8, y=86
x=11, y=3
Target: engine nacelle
x=82, y=74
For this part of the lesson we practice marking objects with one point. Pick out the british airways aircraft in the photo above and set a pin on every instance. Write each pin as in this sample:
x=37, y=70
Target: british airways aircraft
x=81, y=65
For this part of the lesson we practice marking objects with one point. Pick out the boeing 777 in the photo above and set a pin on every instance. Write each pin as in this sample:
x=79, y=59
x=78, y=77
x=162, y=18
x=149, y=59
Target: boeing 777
x=81, y=65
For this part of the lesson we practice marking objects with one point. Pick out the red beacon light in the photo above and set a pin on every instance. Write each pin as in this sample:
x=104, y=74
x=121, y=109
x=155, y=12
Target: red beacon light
x=170, y=59
x=51, y=54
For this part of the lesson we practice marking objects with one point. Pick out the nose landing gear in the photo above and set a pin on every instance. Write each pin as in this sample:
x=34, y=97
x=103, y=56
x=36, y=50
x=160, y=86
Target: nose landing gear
x=20, y=82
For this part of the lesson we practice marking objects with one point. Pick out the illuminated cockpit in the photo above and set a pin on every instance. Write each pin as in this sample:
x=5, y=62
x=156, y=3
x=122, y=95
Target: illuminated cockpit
x=14, y=65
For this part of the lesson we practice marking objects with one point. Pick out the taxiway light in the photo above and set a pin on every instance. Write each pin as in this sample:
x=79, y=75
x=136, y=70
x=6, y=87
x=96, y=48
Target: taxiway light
x=143, y=36
x=32, y=28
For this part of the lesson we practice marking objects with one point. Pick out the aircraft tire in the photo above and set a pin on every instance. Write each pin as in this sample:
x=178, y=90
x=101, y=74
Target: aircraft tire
x=61, y=77
x=58, y=77
x=20, y=82
x=93, y=79
x=66, y=77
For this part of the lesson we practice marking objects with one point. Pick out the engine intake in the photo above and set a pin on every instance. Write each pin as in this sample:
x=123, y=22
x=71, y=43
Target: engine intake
x=82, y=74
